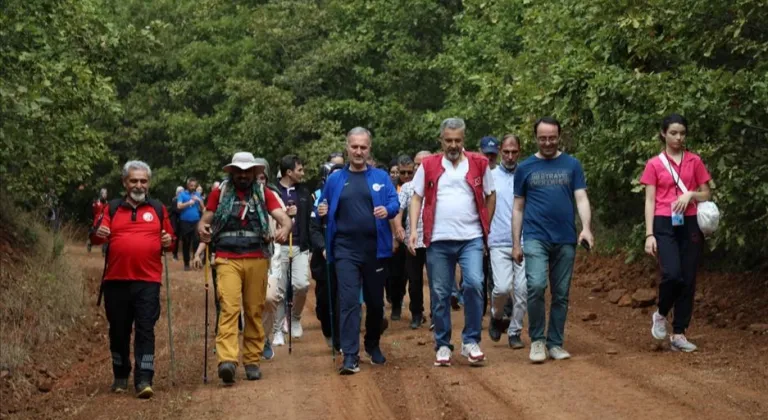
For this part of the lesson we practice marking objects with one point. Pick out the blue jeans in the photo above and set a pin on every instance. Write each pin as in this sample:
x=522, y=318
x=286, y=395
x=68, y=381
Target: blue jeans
x=442, y=257
x=542, y=258
x=354, y=275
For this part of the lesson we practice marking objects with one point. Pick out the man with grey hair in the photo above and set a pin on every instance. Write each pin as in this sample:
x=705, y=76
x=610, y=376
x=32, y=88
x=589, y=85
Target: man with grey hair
x=360, y=200
x=414, y=262
x=137, y=229
x=458, y=196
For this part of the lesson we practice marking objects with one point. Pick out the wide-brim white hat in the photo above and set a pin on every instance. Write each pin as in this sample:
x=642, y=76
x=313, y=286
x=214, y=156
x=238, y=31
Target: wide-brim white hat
x=242, y=160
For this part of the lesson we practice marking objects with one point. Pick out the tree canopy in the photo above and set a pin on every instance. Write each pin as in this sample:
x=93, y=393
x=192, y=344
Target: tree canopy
x=89, y=84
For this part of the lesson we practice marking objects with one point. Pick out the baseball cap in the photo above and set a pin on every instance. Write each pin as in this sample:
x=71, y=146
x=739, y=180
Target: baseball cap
x=489, y=144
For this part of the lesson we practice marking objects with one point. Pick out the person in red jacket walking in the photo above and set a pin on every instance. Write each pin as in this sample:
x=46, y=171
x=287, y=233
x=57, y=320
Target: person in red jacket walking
x=136, y=235
x=459, y=199
x=97, y=207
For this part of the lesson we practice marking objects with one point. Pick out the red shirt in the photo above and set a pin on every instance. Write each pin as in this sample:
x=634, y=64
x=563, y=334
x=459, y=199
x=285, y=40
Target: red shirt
x=134, y=242
x=272, y=205
x=691, y=171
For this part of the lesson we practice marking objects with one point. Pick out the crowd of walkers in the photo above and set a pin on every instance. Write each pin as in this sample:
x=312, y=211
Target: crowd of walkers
x=365, y=236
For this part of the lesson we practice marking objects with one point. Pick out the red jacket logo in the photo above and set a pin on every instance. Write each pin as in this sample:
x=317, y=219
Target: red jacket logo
x=148, y=217
x=478, y=181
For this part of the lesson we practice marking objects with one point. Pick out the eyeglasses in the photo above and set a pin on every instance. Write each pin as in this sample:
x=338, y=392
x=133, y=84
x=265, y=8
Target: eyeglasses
x=406, y=172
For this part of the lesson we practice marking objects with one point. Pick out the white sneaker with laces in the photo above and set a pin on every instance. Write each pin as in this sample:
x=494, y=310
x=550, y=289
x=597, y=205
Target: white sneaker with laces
x=658, y=326
x=443, y=357
x=538, y=352
x=559, y=353
x=296, y=330
x=678, y=342
x=472, y=352
x=278, y=339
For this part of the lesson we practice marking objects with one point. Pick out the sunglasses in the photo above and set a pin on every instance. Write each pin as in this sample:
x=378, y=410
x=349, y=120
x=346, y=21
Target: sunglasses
x=406, y=172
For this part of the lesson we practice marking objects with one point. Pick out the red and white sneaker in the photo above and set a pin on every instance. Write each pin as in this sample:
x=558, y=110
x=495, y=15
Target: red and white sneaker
x=443, y=357
x=473, y=353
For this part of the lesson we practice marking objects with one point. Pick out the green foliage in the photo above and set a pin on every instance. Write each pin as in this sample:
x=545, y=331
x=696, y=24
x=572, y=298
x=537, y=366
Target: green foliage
x=182, y=85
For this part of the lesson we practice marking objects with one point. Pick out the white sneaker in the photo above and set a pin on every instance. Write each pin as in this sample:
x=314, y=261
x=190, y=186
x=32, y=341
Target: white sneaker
x=443, y=357
x=559, y=353
x=296, y=330
x=473, y=353
x=278, y=339
x=538, y=352
x=285, y=326
x=658, y=326
x=678, y=342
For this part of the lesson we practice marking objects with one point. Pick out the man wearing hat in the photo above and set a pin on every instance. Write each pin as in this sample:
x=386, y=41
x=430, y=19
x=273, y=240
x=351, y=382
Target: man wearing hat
x=236, y=221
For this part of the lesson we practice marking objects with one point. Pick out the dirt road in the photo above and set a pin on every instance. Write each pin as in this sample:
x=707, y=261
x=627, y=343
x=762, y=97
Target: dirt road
x=616, y=373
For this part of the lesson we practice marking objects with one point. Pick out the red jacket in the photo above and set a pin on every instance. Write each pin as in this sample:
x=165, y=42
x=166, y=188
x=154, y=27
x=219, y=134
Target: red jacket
x=134, y=242
x=98, y=207
x=433, y=169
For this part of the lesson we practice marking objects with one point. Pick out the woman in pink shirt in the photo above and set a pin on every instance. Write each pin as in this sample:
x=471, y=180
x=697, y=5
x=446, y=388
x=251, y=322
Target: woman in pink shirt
x=671, y=231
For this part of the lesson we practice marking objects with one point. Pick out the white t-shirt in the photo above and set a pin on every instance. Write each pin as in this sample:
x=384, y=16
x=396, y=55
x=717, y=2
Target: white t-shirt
x=456, y=217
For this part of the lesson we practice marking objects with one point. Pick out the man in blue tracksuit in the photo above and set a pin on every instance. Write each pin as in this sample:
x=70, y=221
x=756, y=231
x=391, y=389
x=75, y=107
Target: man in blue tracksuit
x=360, y=200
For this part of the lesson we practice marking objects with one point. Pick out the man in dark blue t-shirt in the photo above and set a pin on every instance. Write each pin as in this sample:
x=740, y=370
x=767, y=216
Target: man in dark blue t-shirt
x=360, y=199
x=547, y=187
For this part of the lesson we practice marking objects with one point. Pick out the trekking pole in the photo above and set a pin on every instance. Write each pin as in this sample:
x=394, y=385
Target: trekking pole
x=289, y=294
x=170, y=321
x=205, y=348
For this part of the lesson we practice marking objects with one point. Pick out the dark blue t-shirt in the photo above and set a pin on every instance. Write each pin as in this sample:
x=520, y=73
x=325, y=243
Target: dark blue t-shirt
x=290, y=196
x=356, y=225
x=548, y=186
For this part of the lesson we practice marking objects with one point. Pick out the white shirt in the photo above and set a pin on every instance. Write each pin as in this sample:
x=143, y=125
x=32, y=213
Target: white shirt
x=501, y=225
x=406, y=192
x=456, y=217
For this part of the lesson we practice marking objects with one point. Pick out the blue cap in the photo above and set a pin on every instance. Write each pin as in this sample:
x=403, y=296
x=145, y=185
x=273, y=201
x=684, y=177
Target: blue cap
x=489, y=144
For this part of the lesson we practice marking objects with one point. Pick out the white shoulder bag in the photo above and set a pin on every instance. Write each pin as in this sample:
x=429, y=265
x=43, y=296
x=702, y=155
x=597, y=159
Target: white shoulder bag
x=707, y=215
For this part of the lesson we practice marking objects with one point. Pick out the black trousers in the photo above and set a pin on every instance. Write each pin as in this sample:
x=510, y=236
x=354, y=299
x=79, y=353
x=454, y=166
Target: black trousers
x=323, y=304
x=132, y=305
x=414, y=266
x=397, y=278
x=188, y=240
x=176, y=225
x=679, y=250
x=354, y=273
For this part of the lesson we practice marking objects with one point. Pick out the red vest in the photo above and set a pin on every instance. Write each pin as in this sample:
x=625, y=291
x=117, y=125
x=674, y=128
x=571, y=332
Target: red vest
x=433, y=169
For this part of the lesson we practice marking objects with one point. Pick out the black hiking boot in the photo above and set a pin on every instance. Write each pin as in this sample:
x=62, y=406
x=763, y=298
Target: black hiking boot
x=144, y=390
x=227, y=373
x=397, y=312
x=252, y=372
x=417, y=320
x=119, y=386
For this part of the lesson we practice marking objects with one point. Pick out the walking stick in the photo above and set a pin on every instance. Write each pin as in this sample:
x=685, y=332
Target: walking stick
x=205, y=348
x=289, y=293
x=170, y=322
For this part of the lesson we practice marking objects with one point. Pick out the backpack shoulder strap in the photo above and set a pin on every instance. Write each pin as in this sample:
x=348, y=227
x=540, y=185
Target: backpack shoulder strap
x=158, y=207
x=113, y=205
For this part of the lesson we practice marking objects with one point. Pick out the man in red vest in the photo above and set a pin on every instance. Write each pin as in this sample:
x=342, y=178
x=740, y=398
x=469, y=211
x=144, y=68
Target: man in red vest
x=456, y=188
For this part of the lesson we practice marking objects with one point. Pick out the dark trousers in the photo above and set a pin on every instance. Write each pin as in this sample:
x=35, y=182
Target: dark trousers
x=679, y=249
x=129, y=305
x=414, y=266
x=353, y=273
x=175, y=224
x=323, y=304
x=397, y=278
x=188, y=239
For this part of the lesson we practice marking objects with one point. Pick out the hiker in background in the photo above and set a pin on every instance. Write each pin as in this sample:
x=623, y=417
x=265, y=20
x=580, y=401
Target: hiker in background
x=397, y=280
x=236, y=221
x=672, y=233
x=548, y=186
x=394, y=174
x=298, y=202
x=97, y=207
x=200, y=191
x=360, y=199
x=458, y=196
x=414, y=262
x=175, y=215
x=325, y=276
x=508, y=275
x=191, y=206
x=334, y=158
x=137, y=229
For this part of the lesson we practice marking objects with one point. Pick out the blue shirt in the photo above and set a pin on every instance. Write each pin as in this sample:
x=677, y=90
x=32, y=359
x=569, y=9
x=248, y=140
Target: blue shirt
x=548, y=186
x=501, y=225
x=356, y=232
x=191, y=213
x=382, y=194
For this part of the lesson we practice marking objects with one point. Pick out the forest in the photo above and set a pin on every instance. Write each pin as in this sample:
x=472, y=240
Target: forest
x=88, y=84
